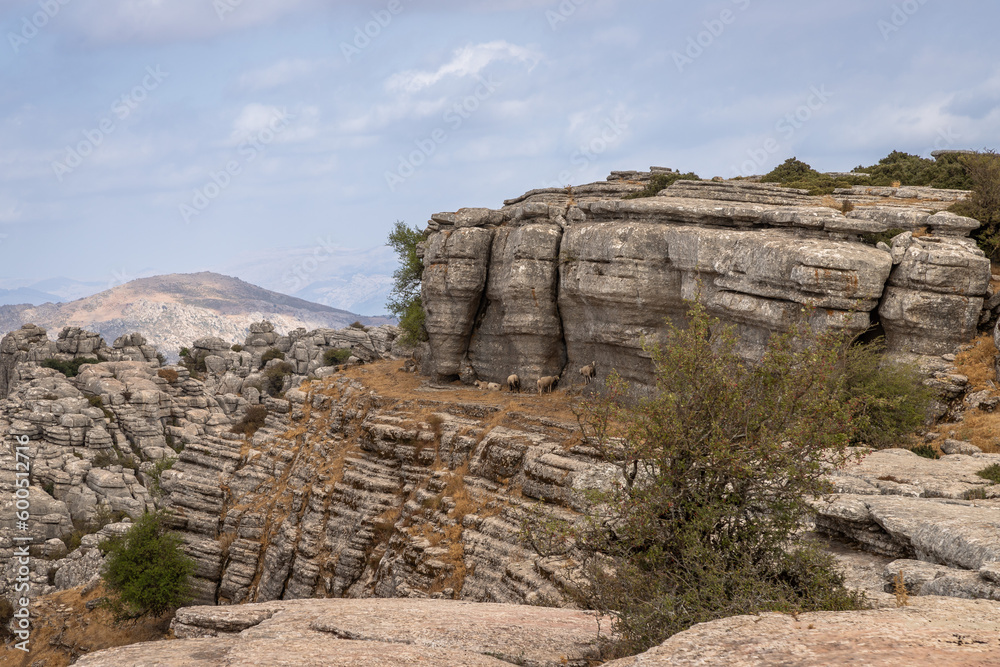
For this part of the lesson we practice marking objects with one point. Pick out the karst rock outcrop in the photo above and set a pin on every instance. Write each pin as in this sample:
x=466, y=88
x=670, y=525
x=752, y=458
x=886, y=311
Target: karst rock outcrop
x=559, y=278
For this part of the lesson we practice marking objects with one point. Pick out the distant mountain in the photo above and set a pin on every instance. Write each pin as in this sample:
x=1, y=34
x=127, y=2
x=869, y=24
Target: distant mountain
x=26, y=295
x=173, y=310
x=355, y=280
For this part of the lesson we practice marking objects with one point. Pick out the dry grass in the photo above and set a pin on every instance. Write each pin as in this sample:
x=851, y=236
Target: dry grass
x=899, y=588
x=65, y=629
x=977, y=364
x=980, y=428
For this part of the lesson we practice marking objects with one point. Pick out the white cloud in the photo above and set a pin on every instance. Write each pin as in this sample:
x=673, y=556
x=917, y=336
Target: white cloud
x=467, y=61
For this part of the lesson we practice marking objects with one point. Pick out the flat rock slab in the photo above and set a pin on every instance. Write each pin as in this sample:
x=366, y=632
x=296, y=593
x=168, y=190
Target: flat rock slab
x=318, y=651
x=369, y=632
x=903, y=473
x=944, y=632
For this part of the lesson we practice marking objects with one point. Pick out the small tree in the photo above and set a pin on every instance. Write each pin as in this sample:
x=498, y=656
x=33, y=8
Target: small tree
x=404, y=300
x=716, y=470
x=147, y=572
x=984, y=205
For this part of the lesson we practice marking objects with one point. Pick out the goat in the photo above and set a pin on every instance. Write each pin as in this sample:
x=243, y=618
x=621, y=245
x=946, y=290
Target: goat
x=545, y=384
x=493, y=386
x=513, y=382
x=589, y=372
x=479, y=384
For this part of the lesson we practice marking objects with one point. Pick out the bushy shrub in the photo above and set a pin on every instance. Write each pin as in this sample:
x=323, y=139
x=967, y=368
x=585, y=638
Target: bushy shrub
x=336, y=356
x=357, y=325
x=272, y=353
x=236, y=347
x=168, y=374
x=888, y=400
x=68, y=368
x=905, y=169
x=275, y=377
x=662, y=182
x=252, y=421
x=992, y=473
x=925, y=451
x=147, y=572
x=794, y=173
x=717, y=467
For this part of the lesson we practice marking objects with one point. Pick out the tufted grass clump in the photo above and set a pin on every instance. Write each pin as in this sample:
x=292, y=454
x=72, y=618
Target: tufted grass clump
x=992, y=473
x=168, y=374
x=925, y=451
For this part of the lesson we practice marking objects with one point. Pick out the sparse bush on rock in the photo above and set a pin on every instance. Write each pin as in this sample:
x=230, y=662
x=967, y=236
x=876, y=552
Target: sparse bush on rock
x=275, y=377
x=68, y=368
x=251, y=421
x=272, y=353
x=662, y=182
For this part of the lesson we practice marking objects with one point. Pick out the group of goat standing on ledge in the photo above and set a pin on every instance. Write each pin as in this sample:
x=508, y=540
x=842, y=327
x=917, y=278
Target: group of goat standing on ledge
x=544, y=384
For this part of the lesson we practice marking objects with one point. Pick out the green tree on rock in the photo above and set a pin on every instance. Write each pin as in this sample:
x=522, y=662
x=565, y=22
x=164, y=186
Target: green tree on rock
x=147, y=572
x=716, y=470
x=404, y=300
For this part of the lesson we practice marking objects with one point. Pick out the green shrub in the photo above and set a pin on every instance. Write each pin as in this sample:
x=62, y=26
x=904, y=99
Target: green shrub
x=158, y=468
x=147, y=572
x=925, y=451
x=68, y=368
x=95, y=401
x=236, y=347
x=992, y=473
x=185, y=352
x=984, y=204
x=662, y=182
x=888, y=401
x=336, y=356
x=794, y=173
x=404, y=300
x=272, y=353
x=49, y=488
x=944, y=172
x=252, y=421
x=717, y=468
x=275, y=377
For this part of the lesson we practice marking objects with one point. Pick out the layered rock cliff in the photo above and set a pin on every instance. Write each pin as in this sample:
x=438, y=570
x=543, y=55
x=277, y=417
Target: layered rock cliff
x=559, y=278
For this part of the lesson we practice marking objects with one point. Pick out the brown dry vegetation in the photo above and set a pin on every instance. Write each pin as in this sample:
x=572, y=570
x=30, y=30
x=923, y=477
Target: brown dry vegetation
x=980, y=428
x=64, y=629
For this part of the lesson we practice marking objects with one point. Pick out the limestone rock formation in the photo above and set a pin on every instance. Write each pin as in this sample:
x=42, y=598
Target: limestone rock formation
x=558, y=278
x=368, y=632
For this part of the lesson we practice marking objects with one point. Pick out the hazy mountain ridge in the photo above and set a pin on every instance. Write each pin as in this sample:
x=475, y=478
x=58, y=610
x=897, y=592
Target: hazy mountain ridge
x=172, y=310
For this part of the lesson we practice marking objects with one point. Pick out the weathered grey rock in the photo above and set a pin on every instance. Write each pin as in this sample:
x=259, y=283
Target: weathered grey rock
x=931, y=631
x=922, y=578
x=960, y=447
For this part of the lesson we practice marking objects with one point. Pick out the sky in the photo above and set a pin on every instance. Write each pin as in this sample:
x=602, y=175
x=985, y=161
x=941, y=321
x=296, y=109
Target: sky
x=279, y=140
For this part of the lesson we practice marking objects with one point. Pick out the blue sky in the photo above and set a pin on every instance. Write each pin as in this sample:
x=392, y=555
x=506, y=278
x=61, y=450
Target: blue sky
x=151, y=136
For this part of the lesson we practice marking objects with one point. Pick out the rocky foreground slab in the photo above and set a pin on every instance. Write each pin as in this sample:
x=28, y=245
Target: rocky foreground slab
x=369, y=632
